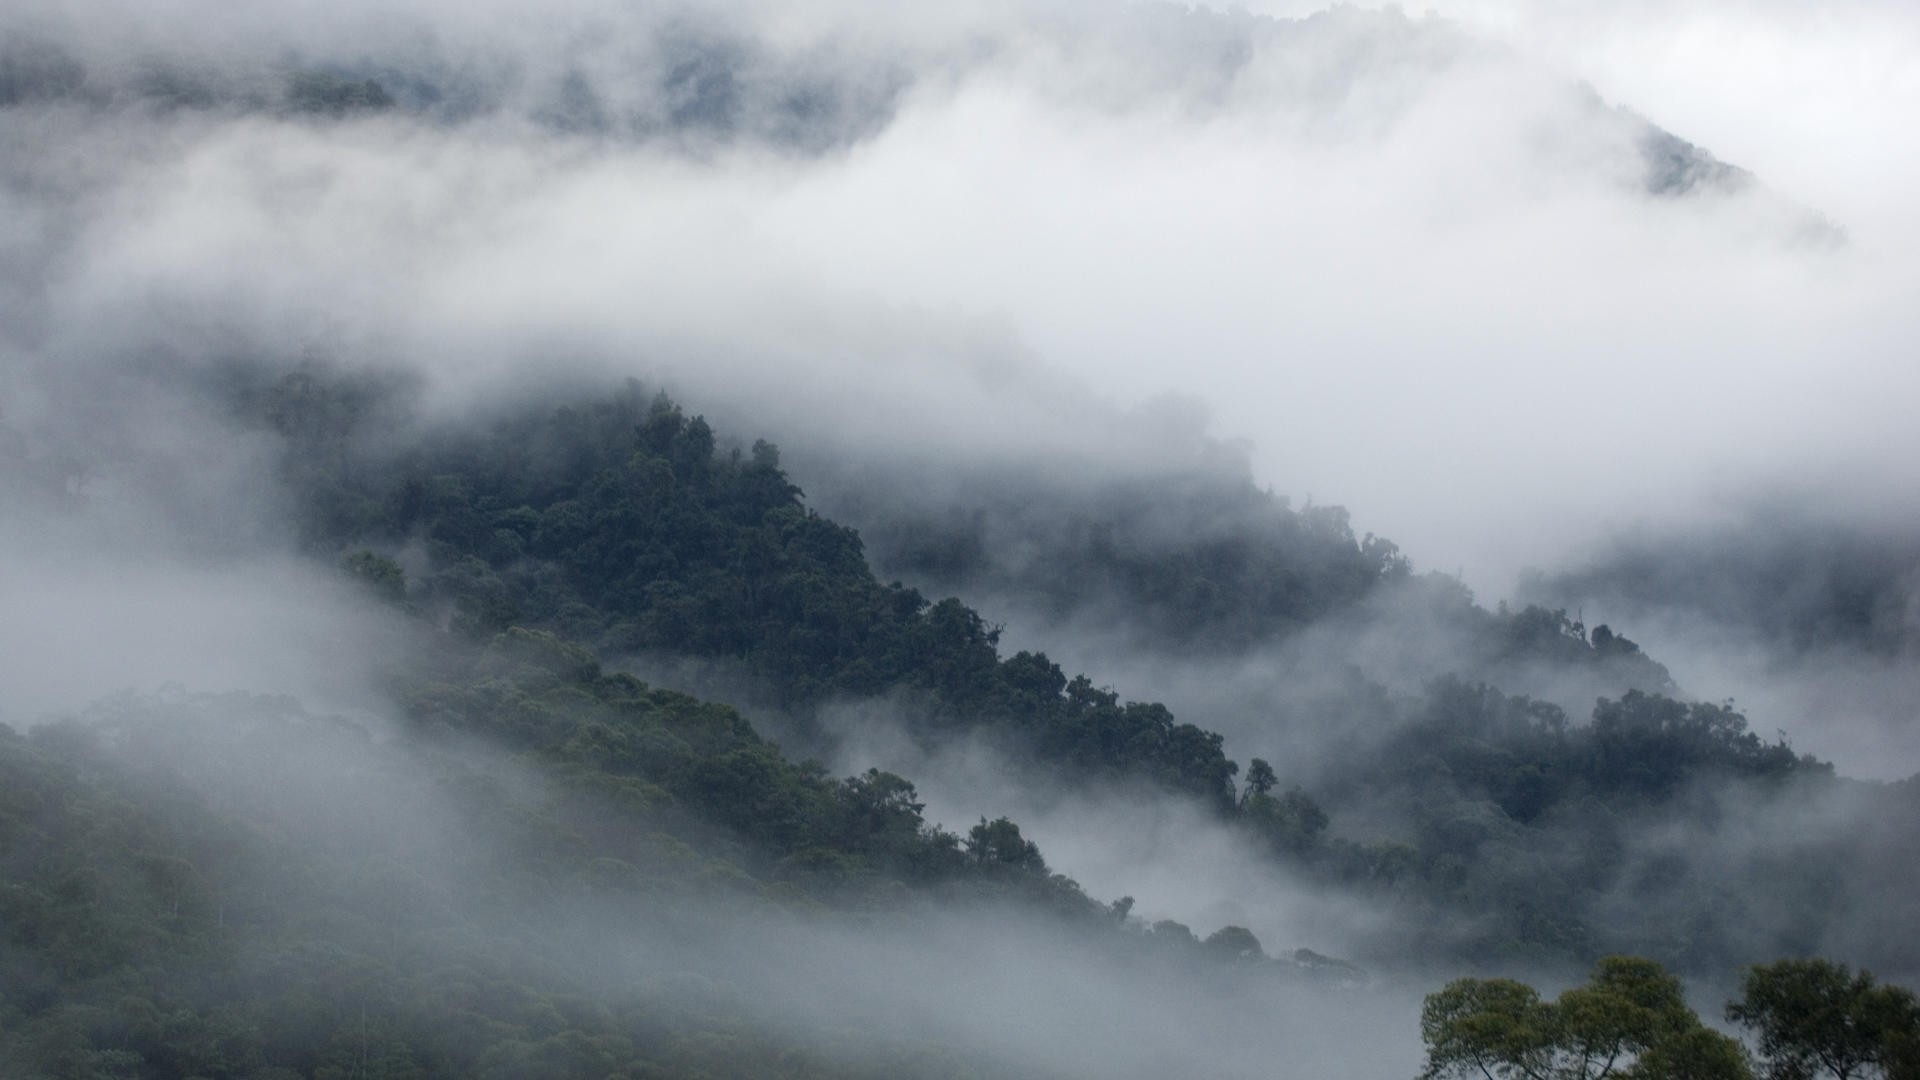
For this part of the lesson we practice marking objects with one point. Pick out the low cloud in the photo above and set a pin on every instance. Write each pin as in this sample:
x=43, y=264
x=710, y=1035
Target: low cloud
x=1403, y=258
x=1405, y=264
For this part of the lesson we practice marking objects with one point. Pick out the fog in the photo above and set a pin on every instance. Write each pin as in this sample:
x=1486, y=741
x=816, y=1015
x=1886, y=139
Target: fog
x=1424, y=266
x=1173, y=857
x=366, y=841
x=1801, y=606
x=1402, y=257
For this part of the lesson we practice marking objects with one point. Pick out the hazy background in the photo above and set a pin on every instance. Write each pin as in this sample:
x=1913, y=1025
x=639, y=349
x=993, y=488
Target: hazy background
x=1383, y=254
x=1399, y=262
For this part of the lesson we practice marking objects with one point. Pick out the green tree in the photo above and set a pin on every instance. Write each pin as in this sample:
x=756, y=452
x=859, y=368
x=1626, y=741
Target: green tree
x=1292, y=823
x=1235, y=943
x=1816, y=1017
x=378, y=573
x=1493, y=1028
x=1260, y=779
x=999, y=843
x=1630, y=1021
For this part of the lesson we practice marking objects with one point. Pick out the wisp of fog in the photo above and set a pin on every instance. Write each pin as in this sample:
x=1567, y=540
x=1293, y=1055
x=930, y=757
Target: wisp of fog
x=1574, y=291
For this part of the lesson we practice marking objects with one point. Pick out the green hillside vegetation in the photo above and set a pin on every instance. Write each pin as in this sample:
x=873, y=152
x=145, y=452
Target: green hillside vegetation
x=1499, y=806
x=618, y=522
x=231, y=887
x=1813, y=1018
x=1196, y=562
x=619, y=525
x=1630, y=1020
x=1201, y=561
x=521, y=887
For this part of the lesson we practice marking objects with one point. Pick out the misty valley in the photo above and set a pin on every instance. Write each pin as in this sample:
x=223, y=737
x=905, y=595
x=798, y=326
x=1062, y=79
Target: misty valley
x=676, y=540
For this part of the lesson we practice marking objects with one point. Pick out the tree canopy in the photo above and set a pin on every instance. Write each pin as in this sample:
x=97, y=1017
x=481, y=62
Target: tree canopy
x=1630, y=1020
x=1814, y=1018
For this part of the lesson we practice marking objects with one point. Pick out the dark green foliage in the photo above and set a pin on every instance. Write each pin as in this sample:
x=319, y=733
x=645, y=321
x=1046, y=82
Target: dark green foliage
x=677, y=759
x=1200, y=561
x=378, y=573
x=1500, y=806
x=1525, y=757
x=229, y=887
x=620, y=523
x=1292, y=823
x=998, y=844
x=1197, y=562
x=223, y=887
x=1630, y=1020
x=1818, y=1018
x=1654, y=744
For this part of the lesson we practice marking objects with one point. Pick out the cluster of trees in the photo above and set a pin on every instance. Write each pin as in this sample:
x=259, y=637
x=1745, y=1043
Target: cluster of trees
x=1636, y=831
x=231, y=888
x=691, y=766
x=1196, y=562
x=139, y=890
x=1503, y=831
x=1630, y=1020
x=1812, y=1018
x=228, y=888
x=619, y=524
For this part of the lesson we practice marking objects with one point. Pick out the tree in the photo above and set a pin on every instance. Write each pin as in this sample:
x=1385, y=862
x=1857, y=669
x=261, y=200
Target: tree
x=1630, y=1021
x=1291, y=823
x=1235, y=943
x=378, y=573
x=999, y=843
x=1494, y=1028
x=1817, y=1017
x=1260, y=778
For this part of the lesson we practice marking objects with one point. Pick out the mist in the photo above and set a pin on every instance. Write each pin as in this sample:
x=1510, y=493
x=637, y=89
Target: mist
x=1430, y=240
x=355, y=839
x=1536, y=293
x=1801, y=605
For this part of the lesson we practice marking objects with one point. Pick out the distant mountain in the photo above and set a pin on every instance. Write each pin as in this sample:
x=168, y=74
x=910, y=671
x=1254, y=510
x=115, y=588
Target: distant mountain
x=699, y=79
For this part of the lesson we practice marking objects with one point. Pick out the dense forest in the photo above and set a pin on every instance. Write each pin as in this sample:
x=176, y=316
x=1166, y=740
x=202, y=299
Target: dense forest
x=619, y=523
x=174, y=907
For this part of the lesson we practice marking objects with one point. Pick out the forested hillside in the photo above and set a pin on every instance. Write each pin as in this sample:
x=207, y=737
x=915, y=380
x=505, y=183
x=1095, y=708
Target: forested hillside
x=229, y=886
x=1200, y=563
x=161, y=848
x=618, y=521
x=1027, y=538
